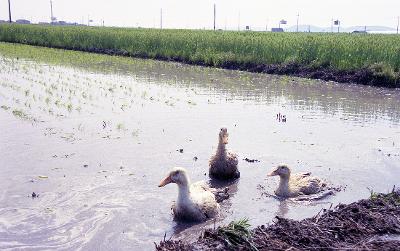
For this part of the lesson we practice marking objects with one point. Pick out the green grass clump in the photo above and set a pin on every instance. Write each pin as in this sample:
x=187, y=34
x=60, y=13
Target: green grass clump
x=221, y=48
x=21, y=114
x=393, y=196
x=237, y=233
x=120, y=127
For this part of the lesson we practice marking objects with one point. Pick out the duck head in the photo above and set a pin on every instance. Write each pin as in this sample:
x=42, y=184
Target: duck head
x=177, y=175
x=223, y=136
x=282, y=170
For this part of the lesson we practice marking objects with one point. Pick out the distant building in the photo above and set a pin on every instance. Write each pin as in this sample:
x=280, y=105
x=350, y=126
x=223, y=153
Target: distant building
x=23, y=21
x=64, y=23
x=277, y=30
x=360, y=32
x=3, y=21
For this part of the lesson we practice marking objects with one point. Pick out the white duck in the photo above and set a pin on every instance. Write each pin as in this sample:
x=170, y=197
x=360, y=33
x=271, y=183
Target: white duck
x=296, y=184
x=223, y=165
x=196, y=202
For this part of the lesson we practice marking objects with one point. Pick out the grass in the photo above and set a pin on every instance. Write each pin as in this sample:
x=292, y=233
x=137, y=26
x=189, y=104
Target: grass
x=120, y=127
x=392, y=196
x=21, y=114
x=222, y=49
x=237, y=233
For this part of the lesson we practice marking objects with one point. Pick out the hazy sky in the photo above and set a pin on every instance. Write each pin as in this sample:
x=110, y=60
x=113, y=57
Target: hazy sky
x=199, y=14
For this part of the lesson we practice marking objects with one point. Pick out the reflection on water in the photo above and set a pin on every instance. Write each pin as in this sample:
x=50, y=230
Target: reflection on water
x=94, y=142
x=283, y=209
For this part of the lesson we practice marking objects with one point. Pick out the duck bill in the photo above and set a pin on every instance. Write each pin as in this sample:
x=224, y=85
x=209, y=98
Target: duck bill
x=273, y=173
x=165, y=181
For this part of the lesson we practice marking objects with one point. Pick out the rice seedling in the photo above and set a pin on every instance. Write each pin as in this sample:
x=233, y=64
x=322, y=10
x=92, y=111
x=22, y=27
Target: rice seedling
x=135, y=133
x=120, y=127
x=69, y=107
x=21, y=114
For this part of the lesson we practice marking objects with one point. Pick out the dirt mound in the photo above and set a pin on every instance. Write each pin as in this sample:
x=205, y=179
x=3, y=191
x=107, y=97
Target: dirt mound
x=370, y=224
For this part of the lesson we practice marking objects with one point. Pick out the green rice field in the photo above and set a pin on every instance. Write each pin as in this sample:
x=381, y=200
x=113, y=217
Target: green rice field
x=338, y=52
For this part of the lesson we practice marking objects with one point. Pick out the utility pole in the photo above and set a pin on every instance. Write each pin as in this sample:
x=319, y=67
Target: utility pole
x=297, y=23
x=239, y=21
x=398, y=23
x=9, y=11
x=332, y=25
x=161, y=18
x=215, y=13
x=225, y=23
x=51, y=12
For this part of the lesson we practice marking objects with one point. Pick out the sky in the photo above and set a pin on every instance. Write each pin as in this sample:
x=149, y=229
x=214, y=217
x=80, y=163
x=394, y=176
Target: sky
x=231, y=14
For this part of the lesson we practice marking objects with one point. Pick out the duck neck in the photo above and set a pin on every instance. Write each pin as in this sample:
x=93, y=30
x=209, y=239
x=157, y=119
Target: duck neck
x=221, y=150
x=183, y=193
x=283, y=188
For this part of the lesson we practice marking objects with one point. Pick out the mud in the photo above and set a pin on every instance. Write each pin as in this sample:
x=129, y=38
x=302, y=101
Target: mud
x=362, y=225
x=251, y=160
x=364, y=76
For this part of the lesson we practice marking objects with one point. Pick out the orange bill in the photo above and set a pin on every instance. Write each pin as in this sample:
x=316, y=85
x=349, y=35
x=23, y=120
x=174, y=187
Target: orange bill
x=165, y=181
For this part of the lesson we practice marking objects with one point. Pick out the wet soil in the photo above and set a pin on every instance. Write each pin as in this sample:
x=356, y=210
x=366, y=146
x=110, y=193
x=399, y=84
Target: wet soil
x=365, y=76
x=362, y=225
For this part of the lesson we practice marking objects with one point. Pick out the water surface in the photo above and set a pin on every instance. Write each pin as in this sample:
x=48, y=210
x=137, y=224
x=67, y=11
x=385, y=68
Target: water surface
x=94, y=142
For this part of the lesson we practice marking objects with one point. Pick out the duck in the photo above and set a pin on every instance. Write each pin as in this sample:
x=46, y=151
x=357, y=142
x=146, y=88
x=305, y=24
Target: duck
x=196, y=202
x=223, y=165
x=292, y=185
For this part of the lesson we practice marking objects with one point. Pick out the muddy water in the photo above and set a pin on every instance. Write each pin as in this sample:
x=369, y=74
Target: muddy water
x=94, y=144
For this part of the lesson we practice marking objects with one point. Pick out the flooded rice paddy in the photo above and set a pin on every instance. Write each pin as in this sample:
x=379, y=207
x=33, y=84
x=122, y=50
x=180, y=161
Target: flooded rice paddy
x=93, y=143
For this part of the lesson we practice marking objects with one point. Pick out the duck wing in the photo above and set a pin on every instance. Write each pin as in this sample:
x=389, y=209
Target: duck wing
x=311, y=185
x=204, y=199
x=232, y=159
x=201, y=186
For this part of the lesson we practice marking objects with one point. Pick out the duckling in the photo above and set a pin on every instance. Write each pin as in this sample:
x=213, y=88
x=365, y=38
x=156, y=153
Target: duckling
x=196, y=202
x=223, y=165
x=296, y=184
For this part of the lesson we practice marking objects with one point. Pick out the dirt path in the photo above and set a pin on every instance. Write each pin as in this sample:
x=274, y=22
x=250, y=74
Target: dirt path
x=370, y=224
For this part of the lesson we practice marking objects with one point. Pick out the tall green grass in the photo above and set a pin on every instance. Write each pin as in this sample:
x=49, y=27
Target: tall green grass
x=335, y=51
